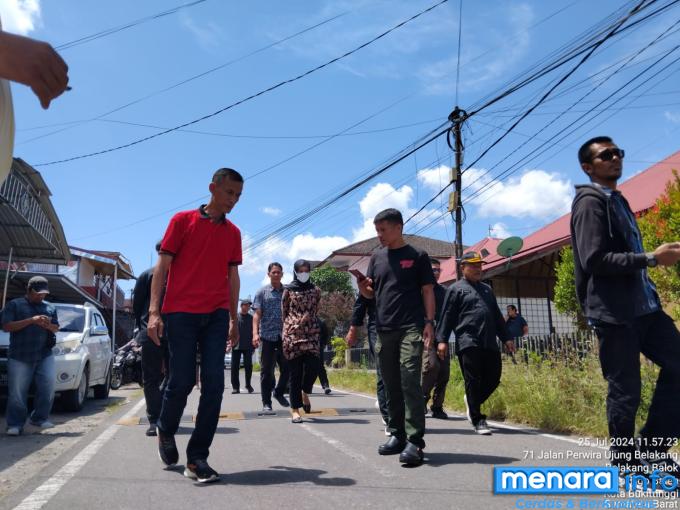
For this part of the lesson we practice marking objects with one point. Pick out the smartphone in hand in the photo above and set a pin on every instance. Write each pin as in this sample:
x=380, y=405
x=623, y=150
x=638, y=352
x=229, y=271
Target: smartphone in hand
x=358, y=274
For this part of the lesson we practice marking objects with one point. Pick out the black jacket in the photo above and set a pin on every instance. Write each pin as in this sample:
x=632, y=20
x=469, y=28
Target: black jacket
x=609, y=282
x=245, y=332
x=471, y=312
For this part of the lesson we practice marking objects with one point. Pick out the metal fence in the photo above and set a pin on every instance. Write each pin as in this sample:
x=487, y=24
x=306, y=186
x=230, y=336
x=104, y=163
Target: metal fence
x=566, y=347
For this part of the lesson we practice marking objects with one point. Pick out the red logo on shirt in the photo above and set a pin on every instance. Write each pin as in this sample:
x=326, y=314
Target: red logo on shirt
x=406, y=264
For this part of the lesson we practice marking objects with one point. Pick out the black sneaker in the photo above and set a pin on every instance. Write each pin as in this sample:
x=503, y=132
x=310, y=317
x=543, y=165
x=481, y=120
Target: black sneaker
x=167, y=449
x=235, y=390
x=151, y=431
x=267, y=408
x=327, y=391
x=250, y=389
x=283, y=401
x=393, y=446
x=438, y=412
x=482, y=428
x=200, y=470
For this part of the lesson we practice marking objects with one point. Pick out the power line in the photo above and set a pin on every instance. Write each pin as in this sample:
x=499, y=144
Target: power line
x=251, y=97
x=72, y=124
x=125, y=26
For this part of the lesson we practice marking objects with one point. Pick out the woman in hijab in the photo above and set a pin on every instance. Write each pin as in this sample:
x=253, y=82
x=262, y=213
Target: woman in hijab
x=299, y=304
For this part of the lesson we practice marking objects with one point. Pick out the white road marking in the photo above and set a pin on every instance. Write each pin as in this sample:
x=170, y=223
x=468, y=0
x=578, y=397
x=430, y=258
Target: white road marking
x=41, y=496
x=593, y=444
x=342, y=447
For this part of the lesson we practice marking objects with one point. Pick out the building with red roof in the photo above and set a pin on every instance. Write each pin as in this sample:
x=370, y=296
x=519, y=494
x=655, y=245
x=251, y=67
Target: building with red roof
x=529, y=277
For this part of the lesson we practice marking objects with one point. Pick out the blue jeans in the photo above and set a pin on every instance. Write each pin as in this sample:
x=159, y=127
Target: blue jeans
x=20, y=375
x=185, y=333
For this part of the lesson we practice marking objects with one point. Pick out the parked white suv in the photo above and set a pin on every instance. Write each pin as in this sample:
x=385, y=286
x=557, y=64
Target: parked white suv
x=82, y=355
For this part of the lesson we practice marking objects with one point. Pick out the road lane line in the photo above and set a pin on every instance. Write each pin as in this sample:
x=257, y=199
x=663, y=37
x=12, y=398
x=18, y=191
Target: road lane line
x=41, y=495
x=500, y=425
x=342, y=447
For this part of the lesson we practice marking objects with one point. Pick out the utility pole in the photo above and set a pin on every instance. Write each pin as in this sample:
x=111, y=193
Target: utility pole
x=457, y=117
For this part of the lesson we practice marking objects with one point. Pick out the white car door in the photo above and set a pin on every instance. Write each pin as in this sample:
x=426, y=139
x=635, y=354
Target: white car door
x=105, y=348
x=95, y=346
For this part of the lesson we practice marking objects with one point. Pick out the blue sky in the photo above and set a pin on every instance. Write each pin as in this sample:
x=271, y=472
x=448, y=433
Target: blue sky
x=405, y=83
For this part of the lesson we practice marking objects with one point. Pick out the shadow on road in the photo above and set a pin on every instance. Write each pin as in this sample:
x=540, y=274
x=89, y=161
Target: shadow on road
x=220, y=430
x=276, y=475
x=443, y=459
x=315, y=421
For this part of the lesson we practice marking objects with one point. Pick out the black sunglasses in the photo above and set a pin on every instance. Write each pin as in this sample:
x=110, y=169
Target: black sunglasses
x=608, y=154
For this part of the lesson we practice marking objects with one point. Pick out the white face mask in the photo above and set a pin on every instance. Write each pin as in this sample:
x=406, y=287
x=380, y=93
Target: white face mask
x=302, y=277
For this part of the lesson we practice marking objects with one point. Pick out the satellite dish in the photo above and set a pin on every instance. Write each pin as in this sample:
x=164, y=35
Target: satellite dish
x=509, y=247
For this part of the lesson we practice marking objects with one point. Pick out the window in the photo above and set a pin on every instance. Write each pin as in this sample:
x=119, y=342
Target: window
x=71, y=319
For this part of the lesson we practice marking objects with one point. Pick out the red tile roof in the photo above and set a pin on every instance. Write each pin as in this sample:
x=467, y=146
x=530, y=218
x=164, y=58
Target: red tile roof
x=641, y=191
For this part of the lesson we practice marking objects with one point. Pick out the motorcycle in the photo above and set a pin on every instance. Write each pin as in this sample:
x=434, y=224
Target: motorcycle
x=127, y=365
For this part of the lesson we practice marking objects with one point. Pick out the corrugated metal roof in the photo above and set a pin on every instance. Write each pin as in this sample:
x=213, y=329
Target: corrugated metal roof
x=28, y=221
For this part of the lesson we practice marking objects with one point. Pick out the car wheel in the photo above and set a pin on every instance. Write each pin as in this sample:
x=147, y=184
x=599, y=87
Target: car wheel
x=73, y=400
x=101, y=391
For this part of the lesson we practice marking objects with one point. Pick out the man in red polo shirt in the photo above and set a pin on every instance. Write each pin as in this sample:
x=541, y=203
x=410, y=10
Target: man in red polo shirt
x=200, y=254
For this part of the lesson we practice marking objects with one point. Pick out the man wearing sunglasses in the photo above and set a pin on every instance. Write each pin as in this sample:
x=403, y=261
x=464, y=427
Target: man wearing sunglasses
x=621, y=303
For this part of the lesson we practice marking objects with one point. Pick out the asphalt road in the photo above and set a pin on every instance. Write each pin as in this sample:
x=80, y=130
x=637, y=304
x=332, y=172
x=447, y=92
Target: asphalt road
x=330, y=461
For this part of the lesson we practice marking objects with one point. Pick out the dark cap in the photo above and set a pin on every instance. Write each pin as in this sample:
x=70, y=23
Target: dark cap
x=471, y=257
x=38, y=284
x=246, y=300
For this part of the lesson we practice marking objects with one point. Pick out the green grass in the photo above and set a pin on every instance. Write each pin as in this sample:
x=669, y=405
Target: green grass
x=550, y=395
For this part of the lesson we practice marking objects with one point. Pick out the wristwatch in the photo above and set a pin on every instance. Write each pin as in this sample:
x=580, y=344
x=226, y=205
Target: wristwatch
x=651, y=260
x=429, y=321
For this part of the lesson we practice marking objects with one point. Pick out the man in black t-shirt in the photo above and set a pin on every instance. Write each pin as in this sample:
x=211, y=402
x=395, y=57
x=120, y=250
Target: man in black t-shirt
x=401, y=280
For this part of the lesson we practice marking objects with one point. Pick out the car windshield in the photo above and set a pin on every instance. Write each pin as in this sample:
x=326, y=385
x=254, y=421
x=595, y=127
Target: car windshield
x=71, y=319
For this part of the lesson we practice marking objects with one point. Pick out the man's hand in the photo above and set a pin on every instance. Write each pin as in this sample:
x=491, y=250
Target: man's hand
x=667, y=254
x=351, y=336
x=366, y=287
x=41, y=320
x=442, y=350
x=154, y=328
x=510, y=347
x=256, y=340
x=428, y=336
x=33, y=63
x=233, y=334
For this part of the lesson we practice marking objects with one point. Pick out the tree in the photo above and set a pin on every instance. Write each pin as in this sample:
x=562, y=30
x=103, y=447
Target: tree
x=337, y=296
x=661, y=225
x=329, y=279
x=566, y=301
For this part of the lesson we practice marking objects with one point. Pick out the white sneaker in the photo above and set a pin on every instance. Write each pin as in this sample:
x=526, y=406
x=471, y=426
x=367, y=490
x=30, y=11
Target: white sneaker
x=13, y=431
x=387, y=432
x=467, y=409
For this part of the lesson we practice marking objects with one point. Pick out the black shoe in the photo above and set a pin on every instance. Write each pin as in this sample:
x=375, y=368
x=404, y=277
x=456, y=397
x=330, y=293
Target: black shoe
x=392, y=446
x=411, y=455
x=250, y=389
x=482, y=428
x=235, y=390
x=283, y=401
x=327, y=391
x=151, y=431
x=438, y=412
x=201, y=471
x=167, y=449
x=267, y=408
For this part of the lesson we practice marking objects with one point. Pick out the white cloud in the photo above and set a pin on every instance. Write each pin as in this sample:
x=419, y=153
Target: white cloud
x=500, y=230
x=536, y=194
x=435, y=178
x=271, y=211
x=303, y=246
x=381, y=196
x=20, y=16
x=209, y=35
x=673, y=117
x=489, y=52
